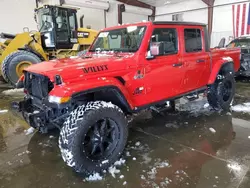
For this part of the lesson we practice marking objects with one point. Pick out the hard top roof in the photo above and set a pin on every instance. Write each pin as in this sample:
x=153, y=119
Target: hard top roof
x=177, y=23
x=147, y=23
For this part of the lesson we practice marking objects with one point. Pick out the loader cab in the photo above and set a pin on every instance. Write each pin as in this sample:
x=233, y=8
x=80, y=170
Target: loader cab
x=58, y=27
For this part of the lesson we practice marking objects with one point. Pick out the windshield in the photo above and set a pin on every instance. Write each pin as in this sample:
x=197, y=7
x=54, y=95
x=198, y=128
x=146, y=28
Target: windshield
x=120, y=40
x=244, y=42
x=63, y=19
x=45, y=21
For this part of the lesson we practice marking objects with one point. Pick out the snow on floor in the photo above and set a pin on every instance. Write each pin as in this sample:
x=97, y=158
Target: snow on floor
x=13, y=91
x=29, y=131
x=143, y=151
x=113, y=171
x=104, y=162
x=150, y=176
x=206, y=105
x=23, y=153
x=128, y=154
x=163, y=164
x=94, y=177
x=171, y=125
x=146, y=158
x=120, y=162
x=196, y=107
x=245, y=107
x=137, y=144
x=212, y=130
x=152, y=173
x=3, y=111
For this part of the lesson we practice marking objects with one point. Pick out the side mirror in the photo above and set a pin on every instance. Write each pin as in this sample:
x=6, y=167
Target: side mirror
x=156, y=48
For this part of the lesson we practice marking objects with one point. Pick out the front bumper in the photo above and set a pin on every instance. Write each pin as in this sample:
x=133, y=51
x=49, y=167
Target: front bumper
x=42, y=115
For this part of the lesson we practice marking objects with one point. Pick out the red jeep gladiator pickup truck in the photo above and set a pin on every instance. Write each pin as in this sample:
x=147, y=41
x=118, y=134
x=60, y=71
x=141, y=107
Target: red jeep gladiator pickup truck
x=128, y=68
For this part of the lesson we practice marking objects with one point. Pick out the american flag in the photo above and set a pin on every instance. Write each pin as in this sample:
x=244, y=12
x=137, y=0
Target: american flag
x=241, y=19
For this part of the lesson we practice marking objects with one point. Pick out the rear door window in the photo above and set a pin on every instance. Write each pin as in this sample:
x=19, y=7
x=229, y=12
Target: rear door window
x=193, y=41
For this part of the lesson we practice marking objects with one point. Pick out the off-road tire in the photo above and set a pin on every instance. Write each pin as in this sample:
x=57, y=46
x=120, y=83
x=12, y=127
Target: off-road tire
x=10, y=62
x=76, y=126
x=215, y=95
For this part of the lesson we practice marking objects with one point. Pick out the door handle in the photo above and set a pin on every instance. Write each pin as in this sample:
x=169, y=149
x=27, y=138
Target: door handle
x=200, y=61
x=177, y=64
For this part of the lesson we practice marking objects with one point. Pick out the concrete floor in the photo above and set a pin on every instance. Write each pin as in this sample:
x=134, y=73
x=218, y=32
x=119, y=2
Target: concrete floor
x=195, y=149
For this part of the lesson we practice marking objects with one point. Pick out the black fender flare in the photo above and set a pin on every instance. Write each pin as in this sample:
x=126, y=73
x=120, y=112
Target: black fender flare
x=227, y=67
x=123, y=103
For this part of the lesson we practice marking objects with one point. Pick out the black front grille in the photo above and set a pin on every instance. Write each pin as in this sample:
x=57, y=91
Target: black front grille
x=37, y=85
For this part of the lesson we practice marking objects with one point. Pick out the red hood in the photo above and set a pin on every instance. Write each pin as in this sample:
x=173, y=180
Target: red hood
x=75, y=67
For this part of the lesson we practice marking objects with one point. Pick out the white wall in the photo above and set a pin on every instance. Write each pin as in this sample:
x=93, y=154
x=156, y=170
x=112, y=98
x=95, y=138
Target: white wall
x=50, y=2
x=112, y=14
x=132, y=18
x=92, y=17
x=222, y=16
x=222, y=24
x=187, y=8
x=222, y=21
x=95, y=17
x=17, y=14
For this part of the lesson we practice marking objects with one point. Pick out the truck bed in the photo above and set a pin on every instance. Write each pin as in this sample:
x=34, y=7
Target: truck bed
x=228, y=54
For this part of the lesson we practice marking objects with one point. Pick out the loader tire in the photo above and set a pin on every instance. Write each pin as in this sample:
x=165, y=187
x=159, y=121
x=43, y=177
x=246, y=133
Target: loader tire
x=14, y=64
x=93, y=137
x=221, y=94
x=3, y=68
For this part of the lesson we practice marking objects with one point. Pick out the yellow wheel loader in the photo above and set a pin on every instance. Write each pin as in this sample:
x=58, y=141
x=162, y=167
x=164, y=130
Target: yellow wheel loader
x=58, y=37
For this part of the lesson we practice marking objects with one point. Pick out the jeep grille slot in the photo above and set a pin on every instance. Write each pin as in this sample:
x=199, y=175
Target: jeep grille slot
x=37, y=85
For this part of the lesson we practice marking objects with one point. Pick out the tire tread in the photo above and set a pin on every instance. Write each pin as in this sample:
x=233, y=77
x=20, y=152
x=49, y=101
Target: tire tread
x=6, y=61
x=71, y=125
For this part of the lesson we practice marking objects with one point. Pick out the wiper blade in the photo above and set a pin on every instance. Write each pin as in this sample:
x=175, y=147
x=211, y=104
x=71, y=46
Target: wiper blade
x=132, y=50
